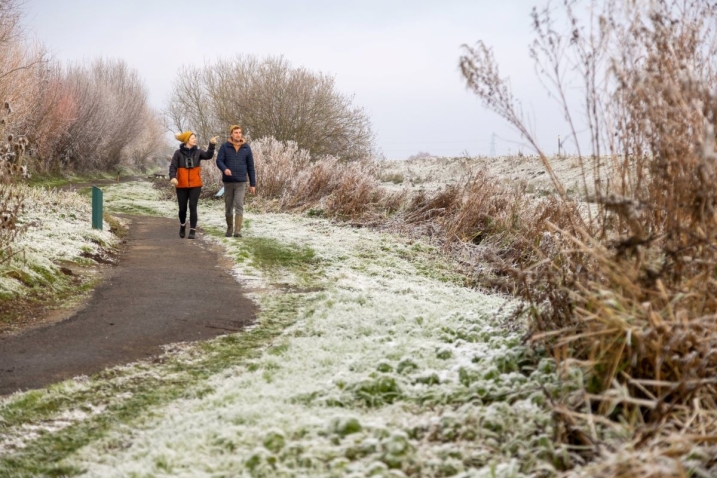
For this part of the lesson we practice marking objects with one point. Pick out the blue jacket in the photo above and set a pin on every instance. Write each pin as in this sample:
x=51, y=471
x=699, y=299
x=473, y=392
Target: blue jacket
x=239, y=161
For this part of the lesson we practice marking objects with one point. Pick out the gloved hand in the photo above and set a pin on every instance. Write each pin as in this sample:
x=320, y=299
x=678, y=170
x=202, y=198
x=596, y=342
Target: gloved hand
x=174, y=181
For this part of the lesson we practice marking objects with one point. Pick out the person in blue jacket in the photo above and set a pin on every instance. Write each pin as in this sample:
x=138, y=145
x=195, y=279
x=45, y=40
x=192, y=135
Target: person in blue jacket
x=236, y=164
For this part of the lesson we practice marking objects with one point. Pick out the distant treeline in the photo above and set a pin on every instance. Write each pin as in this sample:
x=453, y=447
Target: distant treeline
x=83, y=116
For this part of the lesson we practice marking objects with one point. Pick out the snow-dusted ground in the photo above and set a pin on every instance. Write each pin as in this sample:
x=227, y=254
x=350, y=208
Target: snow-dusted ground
x=390, y=367
x=432, y=173
x=57, y=230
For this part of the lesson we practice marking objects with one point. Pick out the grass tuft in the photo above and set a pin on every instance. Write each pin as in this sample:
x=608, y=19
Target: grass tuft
x=270, y=254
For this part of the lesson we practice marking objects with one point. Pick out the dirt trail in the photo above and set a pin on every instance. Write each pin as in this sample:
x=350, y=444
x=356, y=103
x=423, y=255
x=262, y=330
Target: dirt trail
x=164, y=290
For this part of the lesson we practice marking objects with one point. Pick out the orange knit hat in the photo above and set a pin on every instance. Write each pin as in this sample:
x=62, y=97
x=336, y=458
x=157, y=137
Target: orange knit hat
x=184, y=136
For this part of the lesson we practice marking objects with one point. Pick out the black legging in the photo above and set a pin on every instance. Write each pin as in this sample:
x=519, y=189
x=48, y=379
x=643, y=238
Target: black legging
x=190, y=195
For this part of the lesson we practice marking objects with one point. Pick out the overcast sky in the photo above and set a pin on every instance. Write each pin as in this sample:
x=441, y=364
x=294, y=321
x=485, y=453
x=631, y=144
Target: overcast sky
x=399, y=58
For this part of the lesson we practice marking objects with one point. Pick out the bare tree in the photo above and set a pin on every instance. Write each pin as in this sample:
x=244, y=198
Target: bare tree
x=190, y=105
x=11, y=41
x=53, y=112
x=148, y=142
x=269, y=97
x=111, y=116
x=22, y=66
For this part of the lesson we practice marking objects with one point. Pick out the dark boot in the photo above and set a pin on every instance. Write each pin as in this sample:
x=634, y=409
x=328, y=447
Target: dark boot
x=238, y=218
x=230, y=226
x=182, y=228
x=191, y=234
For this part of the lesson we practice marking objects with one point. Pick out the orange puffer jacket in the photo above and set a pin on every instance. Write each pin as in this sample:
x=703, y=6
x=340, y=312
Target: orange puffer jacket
x=185, y=165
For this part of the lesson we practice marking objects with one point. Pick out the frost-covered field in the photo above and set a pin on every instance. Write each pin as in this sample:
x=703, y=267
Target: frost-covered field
x=57, y=230
x=432, y=173
x=368, y=358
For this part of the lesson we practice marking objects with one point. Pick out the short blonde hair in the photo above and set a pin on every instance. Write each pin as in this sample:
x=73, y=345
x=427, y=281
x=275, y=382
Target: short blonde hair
x=235, y=126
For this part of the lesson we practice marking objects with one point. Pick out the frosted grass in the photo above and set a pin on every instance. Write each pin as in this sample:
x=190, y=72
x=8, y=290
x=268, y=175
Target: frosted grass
x=391, y=368
x=57, y=228
x=137, y=198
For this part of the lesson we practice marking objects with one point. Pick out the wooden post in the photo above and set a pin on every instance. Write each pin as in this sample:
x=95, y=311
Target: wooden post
x=558, y=145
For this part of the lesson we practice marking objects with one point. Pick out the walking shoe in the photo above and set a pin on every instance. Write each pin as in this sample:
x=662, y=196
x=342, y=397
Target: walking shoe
x=191, y=234
x=182, y=228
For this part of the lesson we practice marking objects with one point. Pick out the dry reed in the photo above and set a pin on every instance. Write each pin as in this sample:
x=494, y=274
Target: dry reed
x=628, y=295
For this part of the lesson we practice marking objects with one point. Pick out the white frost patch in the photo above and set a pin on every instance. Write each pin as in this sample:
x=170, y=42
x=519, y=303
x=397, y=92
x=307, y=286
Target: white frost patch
x=137, y=198
x=18, y=439
x=346, y=390
x=58, y=227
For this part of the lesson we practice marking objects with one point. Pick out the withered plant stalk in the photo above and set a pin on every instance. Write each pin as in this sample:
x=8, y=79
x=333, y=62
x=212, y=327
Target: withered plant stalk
x=631, y=293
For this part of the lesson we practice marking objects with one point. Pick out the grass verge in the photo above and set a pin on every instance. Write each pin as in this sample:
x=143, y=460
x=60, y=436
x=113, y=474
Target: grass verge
x=126, y=395
x=364, y=362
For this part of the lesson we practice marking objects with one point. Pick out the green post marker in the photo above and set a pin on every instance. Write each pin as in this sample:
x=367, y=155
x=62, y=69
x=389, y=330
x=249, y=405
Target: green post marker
x=96, y=208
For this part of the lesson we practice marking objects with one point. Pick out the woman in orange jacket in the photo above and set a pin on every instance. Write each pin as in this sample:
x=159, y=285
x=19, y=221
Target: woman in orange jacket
x=185, y=174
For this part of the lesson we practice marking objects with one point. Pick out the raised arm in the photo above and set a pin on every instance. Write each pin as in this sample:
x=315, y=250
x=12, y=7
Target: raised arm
x=208, y=154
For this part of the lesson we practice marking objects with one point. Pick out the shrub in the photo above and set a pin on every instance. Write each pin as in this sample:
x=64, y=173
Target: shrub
x=395, y=178
x=12, y=168
x=420, y=155
x=270, y=97
x=629, y=293
x=90, y=116
x=291, y=180
x=112, y=122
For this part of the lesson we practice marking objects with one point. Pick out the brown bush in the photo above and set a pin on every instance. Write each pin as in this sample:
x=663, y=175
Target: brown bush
x=12, y=169
x=211, y=178
x=21, y=67
x=54, y=111
x=354, y=190
x=630, y=293
x=277, y=164
x=476, y=209
x=289, y=180
x=112, y=123
x=17, y=84
x=11, y=205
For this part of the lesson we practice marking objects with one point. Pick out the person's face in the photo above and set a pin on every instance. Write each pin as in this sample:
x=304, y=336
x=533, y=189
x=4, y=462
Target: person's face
x=192, y=141
x=236, y=135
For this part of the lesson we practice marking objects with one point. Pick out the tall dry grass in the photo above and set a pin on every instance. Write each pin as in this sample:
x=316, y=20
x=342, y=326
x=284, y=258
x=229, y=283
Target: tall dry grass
x=290, y=180
x=479, y=216
x=478, y=209
x=628, y=295
x=12, y=169
x=18, y=63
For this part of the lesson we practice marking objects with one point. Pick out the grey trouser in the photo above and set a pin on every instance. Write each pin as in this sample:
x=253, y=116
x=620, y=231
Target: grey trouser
x=234, y=198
